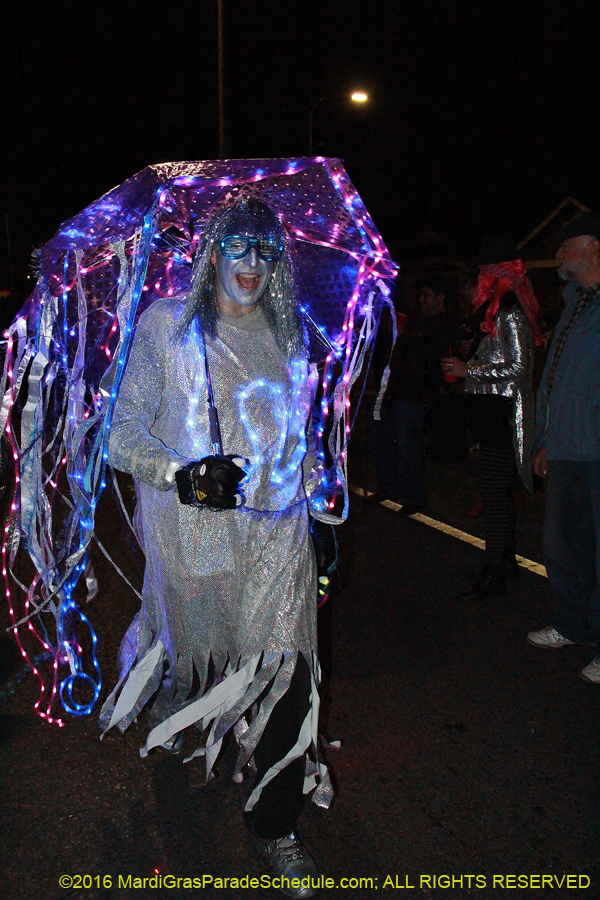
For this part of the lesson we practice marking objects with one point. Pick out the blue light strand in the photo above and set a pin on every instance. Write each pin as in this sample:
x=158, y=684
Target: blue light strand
x=289, y=417
x=78, y=676
x=98, y=460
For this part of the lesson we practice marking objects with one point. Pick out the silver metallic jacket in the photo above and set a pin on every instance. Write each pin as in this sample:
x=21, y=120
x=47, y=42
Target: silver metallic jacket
x=503, y=365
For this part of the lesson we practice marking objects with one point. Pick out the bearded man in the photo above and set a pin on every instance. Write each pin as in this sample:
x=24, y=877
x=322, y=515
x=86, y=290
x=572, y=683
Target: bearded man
x=568, y=449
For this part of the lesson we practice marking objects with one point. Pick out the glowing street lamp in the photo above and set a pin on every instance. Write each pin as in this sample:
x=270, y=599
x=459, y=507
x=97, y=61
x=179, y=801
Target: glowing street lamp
x=356, y=97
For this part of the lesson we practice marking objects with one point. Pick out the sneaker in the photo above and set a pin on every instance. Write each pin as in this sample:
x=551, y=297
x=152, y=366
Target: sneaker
x=592, y=671
x=548, y=638
x=289, y=859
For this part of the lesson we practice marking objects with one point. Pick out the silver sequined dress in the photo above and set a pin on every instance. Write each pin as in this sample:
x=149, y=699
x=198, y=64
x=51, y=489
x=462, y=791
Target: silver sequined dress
x=228, y=593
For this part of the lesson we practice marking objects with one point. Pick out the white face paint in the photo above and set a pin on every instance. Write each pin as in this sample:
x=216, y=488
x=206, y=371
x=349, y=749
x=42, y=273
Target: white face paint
x=240, y=282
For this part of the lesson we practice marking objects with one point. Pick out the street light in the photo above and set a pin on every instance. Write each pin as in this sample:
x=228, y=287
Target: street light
x=356, y=97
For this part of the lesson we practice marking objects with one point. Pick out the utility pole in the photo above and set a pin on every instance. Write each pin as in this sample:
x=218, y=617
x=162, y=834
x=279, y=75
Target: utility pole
x=10, y=266
x=223, y=47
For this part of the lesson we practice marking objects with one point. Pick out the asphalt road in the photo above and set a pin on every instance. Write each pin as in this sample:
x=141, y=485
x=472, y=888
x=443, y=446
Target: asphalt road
x=465, y=752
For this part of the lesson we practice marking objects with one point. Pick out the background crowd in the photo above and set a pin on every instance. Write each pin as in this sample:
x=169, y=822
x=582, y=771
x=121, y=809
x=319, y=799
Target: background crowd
x=455, y=383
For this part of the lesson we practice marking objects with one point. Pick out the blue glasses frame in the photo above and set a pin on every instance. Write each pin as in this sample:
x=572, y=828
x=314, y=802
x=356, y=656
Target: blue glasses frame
x=268, y=250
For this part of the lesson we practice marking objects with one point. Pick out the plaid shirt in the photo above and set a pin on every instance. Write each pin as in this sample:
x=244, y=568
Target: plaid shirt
x=585, y=297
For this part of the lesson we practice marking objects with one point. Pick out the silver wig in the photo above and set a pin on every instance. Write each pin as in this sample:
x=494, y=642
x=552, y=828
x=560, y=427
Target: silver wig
x=279, y=302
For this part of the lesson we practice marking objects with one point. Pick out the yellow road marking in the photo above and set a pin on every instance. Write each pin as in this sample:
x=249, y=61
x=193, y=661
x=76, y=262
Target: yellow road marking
x=453, y=532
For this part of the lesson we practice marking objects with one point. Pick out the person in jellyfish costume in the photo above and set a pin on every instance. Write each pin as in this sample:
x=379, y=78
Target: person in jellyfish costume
x=230, y=583
x=185, y=322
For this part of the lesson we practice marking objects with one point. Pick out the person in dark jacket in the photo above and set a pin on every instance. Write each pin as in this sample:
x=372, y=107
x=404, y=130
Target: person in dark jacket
x=413, y=388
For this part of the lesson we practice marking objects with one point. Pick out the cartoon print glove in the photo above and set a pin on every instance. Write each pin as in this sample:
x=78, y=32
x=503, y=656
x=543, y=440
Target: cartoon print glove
x=212, y=481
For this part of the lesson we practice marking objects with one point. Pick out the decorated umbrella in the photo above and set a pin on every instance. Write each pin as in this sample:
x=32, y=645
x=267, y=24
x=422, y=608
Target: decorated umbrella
x=67, y=349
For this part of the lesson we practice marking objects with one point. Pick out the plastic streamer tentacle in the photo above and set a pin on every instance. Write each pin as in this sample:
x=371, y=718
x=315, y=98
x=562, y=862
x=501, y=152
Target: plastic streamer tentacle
x=56, y=378
x=88, y=475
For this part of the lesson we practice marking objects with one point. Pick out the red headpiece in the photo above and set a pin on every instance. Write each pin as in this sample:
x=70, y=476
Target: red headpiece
x=498, y=279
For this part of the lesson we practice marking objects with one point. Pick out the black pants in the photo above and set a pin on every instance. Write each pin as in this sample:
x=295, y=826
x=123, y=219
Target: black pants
x=277, y=809
x=496, y=477
x=491, y=423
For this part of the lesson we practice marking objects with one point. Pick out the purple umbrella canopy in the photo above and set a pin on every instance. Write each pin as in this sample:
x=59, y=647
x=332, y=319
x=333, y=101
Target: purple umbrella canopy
x=68, y=347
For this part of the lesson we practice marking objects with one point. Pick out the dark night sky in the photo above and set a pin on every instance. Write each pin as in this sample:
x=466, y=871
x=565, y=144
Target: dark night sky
x=483, y=114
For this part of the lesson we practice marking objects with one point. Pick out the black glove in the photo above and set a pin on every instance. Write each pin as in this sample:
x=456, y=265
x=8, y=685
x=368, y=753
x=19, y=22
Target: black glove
x=212, y=481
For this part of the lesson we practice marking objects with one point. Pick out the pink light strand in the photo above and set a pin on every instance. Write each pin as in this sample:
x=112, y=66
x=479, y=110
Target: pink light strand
x=5, y=571
x=5, y=565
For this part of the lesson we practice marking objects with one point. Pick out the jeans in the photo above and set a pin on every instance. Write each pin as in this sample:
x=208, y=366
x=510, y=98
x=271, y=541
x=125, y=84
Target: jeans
x=572, y=547
x=397, y=442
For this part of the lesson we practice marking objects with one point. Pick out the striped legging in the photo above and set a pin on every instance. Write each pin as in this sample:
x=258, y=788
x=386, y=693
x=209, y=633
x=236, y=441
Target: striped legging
x=495, y=478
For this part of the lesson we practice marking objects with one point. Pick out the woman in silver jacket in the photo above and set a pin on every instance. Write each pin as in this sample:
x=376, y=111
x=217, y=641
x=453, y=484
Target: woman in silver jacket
x=498, y=378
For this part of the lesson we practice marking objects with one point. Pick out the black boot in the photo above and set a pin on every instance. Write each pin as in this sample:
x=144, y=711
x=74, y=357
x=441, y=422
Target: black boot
x=491, y=580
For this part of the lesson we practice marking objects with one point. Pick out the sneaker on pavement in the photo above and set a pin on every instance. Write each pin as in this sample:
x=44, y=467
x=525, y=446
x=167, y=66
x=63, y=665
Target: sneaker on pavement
x=289, y=859
x=548, y=638
x=592, y=671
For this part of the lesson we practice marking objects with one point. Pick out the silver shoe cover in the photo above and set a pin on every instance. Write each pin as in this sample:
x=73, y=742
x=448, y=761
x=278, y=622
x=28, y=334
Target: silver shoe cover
x=289, y=859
